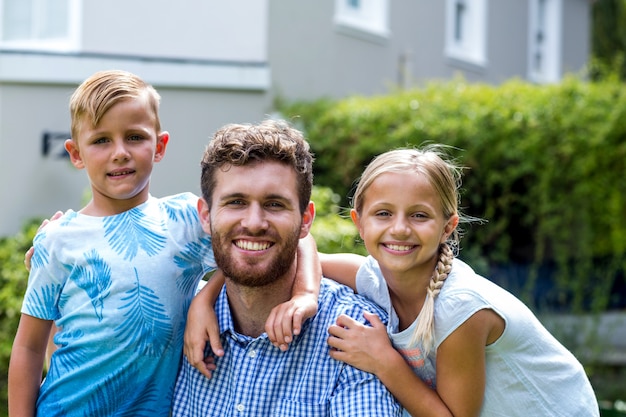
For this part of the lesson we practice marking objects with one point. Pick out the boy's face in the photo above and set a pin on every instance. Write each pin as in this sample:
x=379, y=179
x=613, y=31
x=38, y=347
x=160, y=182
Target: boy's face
x=118, y=155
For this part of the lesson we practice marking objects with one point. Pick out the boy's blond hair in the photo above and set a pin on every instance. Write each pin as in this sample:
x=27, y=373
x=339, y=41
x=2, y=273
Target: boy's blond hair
x=98, y=93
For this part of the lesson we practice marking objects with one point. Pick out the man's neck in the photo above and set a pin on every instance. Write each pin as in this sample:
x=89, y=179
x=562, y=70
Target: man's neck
x=251, y=306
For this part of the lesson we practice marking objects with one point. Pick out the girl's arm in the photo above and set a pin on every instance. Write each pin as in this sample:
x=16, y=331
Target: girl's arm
x=202, y=326
x=341, y=267
x=26, y=365
x=369, y=349
x=461, y=362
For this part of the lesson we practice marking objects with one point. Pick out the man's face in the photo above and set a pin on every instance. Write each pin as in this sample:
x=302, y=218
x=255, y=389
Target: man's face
x=255, y=221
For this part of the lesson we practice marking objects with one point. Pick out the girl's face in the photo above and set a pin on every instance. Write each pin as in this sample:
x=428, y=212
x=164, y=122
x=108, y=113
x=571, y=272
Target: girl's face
x=402, y=223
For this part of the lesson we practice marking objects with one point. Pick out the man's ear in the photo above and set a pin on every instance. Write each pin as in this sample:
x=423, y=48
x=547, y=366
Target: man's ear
x=162, y=140
x=205, y=215
x=307, y=219
x=72, y=149
x=356, y=220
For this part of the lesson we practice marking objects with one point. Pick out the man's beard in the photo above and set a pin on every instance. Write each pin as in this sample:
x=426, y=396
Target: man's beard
x=251, y=274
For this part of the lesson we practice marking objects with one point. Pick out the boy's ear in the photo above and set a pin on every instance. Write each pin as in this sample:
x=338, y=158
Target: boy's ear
x=161, y=144
x=72, y=149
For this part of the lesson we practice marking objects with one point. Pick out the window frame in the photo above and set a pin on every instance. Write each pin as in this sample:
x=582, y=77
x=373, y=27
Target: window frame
x=366, y=19
x=466, y=35
x=68, y=43
x=548, y=23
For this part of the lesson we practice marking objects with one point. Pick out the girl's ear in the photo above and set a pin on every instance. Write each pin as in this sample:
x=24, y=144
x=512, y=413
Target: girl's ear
x=161, y=144
x=452, y=223
x=72, y=149
x=356, y=220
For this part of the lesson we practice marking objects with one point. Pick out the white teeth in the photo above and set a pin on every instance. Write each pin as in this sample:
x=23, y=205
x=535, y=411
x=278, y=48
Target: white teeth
x=247, y=245
x=120, y=173
x=399, y=247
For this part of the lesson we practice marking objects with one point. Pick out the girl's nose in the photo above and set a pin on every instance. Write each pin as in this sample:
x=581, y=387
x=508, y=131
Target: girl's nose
x=400, y=226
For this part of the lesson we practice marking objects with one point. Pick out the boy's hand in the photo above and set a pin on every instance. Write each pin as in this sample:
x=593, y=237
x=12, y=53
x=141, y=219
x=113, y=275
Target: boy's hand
x=285, y=320
x=202, y=327
x=29, y=253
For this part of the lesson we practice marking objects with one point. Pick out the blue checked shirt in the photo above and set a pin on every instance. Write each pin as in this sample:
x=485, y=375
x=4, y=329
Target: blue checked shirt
x=254, y=378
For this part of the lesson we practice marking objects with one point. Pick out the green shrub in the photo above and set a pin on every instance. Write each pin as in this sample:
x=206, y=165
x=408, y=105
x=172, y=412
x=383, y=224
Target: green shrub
x=13, y=280
x=333, y=230
x=545, y=168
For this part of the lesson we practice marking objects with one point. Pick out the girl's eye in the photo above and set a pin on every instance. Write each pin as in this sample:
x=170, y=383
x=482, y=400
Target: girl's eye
x=419, y=215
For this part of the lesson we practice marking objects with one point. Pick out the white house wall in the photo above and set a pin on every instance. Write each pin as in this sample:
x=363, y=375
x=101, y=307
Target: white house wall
x=208, y=60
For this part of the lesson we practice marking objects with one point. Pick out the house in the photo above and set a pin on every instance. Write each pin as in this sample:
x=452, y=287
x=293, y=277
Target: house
x=220, y=62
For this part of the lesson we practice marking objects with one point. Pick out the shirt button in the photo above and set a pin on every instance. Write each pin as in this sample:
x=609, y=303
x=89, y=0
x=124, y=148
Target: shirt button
x=252, y=354
x=239, y=407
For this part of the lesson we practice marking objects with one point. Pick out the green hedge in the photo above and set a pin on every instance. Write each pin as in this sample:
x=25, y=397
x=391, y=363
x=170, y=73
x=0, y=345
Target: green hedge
x=13, y=280
x=546, y=168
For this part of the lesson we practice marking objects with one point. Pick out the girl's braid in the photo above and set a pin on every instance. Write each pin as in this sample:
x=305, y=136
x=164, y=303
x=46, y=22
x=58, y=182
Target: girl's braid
x=425, y=329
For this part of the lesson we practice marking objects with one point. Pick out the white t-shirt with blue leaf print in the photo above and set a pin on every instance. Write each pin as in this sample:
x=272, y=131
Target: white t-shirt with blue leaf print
x=119, y=288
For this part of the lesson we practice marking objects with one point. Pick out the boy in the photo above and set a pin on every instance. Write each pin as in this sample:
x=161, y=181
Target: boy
x=117, y=276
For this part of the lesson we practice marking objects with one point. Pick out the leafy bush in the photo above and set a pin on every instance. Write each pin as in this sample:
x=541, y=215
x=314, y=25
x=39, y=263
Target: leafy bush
x=333, y=230
x=13, y=280
x=545, y=167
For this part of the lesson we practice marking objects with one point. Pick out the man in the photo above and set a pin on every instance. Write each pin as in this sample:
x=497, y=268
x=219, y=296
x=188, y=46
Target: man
x=256, y=187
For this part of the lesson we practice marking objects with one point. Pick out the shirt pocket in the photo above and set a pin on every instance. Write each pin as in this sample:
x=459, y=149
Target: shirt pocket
x=290, y=408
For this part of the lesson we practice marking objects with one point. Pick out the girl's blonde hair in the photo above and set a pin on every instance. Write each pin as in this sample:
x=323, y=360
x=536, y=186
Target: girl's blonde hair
x=98, y=93
x=445, y=177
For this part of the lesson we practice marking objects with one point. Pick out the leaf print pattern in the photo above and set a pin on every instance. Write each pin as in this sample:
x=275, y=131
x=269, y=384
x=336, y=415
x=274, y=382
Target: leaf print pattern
x=131, y=230
x=42, y=301
x=181, y=212
x=71, y=358
x=190, y=261
x=146, y=321
x=95, y=282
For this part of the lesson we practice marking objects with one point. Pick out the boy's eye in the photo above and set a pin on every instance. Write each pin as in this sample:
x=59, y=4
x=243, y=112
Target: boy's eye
x=383, y=214
x=100, y=140
x=135, y=137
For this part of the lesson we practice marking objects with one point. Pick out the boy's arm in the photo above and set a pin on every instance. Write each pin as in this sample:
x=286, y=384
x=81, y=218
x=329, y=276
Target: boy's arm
x=26, y=365
x=202, y=326
x=285, y=320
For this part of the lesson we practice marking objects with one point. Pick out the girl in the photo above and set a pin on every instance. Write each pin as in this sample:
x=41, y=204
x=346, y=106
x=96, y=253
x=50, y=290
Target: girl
x=456, y=344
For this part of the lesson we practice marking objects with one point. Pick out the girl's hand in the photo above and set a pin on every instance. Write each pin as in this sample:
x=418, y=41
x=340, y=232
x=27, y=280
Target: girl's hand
x=358, y=345
x=202, y=327
x=285, y=320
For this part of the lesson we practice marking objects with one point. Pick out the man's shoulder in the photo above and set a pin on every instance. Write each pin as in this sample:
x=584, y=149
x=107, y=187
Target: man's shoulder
x=342, y=299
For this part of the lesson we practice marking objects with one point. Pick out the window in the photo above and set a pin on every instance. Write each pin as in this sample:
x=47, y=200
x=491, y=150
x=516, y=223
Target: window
x=466, y=30
x=368, y=18
x=544, y=42
x=39, y=24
